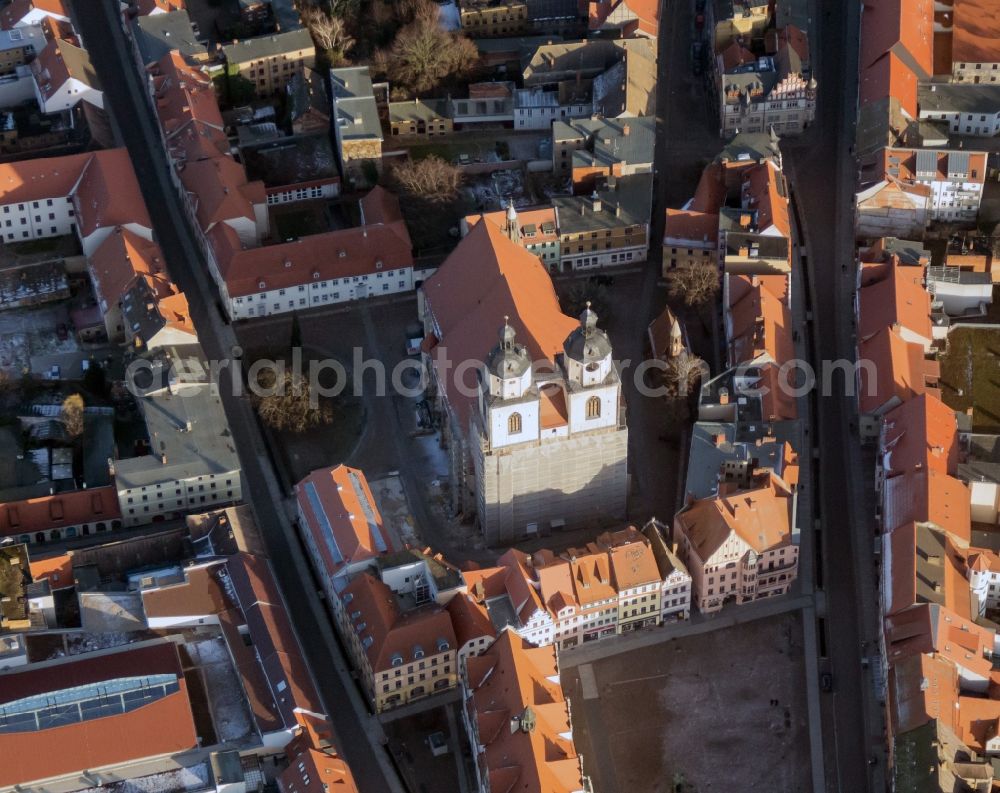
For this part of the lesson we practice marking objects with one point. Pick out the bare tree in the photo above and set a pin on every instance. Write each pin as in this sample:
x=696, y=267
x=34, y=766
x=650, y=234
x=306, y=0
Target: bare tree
x=289, y=404
x=328, y=31
x=696, y=285
x=71, y=415
x=683, y=374
x=423, y=53
x=431, y=179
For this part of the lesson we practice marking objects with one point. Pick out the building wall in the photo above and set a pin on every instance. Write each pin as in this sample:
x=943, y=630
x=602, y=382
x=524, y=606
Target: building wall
x=430, y=128
x=293, y=193
x=639, y=607
x=141, y=505
x=46, y=217
x=954, y=199
x=873, y=221
x=69, y=95
x=504, y=19
x=675, y=597
x=542, y=117
x=583, y=252
x=975, y=124
x=787, y=116
x=97, y=525
x=271, y=74
x=975, y=72
x=687, y=253
x=408, y=682
x=321, y=293
x=578, y=480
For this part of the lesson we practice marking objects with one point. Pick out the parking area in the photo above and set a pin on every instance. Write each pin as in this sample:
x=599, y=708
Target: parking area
x=723, y=711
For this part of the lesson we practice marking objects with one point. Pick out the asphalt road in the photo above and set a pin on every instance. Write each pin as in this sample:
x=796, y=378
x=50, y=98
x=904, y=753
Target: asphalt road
x=822, y=172
x=124, y=93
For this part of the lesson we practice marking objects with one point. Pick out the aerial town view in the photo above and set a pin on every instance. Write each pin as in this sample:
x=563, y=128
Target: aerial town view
x=499, y=396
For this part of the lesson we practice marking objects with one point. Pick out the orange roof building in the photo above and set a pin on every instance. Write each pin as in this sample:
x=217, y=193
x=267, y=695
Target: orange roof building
x=41, y=743
x=187, y=109
x=759, y=326
x=519, y=721
x=401, y=655
x=108, y=196
x=57, y=570
x=340, y=520
x=921, y=433
x=898, y=300
x=975, y=41
x=751, y=527
x=923, y=564
x=924, y=495
x=891, y=370
x=53, y=517
x=313, y=763
x=536, y=230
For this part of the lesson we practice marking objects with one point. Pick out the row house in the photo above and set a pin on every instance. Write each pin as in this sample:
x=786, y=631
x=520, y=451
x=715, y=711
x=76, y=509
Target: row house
x=314, y=765
x=63, y=73
x=742, y=544
x=518, y=721
x=585, y=149
x=620, y=582
x=732, y=20
x=401, y=655
x=421, y=117
x=494, y=18
x=955, y=179
x=773, y=91
x=487, y=103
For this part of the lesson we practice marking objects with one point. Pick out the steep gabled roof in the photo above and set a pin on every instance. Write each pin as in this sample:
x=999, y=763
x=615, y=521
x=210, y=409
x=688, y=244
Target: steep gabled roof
x=486, y=278
x=897, y=299
x=920, y=433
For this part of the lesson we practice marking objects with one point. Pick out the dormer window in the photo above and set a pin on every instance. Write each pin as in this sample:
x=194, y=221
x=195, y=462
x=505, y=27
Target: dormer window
x=442, y=645
x=378, y=264
x=261, y=285
x=396, y=660
x=315, y=275
x=287, y=263
x=342, y=253
x=360, y=627
x=418, y=651
x=348, y=597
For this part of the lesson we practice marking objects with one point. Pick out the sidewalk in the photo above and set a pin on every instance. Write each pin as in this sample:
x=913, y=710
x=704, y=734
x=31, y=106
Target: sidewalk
x=699, y=623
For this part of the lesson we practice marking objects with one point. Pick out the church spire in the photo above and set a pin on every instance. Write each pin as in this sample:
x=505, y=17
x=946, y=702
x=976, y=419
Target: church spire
x=512, y=228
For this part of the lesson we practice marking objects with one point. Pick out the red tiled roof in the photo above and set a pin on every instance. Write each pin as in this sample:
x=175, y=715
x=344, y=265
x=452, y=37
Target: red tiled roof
x=343, y=511
x=187, y=109
x=900, y=370
x=920, y=433
x=42, y=178
x=109, y=194
x=763, y=184
x=504, y=682
x=686, y=224
x=57, y=570
x=928, y=496
x=311, y=258
x=313, y=763
x=391, y=630
x=162, y=727
x=761, y=325
x=220, y=190
x=975, y=32
x=123, y=257
x=760, y=517
x=145, y=7
x=486, y=278
x=897, y=299
x=470, y=619
x=57, y=511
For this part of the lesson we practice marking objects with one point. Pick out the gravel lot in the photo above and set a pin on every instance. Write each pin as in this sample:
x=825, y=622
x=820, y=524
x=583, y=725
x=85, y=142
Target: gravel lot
x=721, y=711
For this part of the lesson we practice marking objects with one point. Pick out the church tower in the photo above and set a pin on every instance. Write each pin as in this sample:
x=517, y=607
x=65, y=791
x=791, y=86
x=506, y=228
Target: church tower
x=512, y=229
x=509, y=405
x=592, y=380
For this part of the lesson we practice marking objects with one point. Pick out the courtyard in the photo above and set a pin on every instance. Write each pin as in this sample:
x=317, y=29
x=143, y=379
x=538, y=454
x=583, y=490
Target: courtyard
x=719, y=711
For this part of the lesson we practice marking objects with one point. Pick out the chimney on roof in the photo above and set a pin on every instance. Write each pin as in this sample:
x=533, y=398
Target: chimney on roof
x=745, y=220
x=723, y=396
x=720, y=439
x=744, y=251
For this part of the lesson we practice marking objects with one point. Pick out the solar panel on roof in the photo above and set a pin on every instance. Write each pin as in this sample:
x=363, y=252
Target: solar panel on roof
x=926, y=162
x=320, y=513
x=958, y=163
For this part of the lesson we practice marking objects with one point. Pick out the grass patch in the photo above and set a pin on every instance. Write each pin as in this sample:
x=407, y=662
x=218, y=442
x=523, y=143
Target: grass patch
x=970, y=375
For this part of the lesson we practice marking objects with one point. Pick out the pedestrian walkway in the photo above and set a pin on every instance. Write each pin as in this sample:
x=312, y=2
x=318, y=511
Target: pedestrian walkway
x=698, y=624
